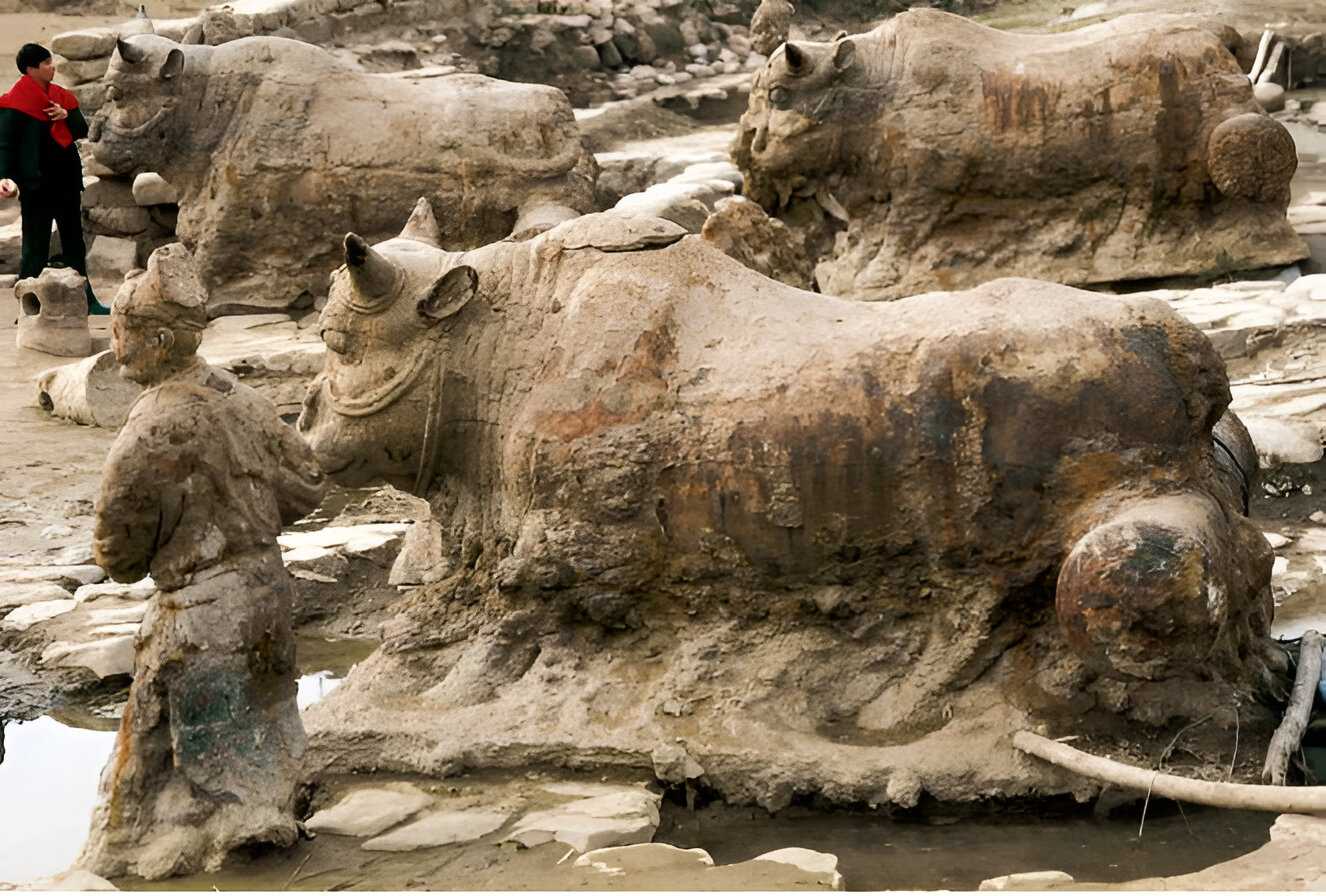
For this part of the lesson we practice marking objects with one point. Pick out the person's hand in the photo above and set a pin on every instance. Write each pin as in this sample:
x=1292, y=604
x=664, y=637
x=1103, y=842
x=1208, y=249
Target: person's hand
x=8, y=189
x=57, y=112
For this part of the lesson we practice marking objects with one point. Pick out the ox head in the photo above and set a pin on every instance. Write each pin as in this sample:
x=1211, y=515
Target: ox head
x=149, y=86
x=801, y=105
x=385, y=326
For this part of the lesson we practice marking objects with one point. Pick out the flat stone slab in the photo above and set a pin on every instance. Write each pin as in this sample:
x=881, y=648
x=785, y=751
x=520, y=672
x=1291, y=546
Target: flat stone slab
x=303, y=547
x=1027, y=880
x=24, y=618
x=1300, y=564
x=140, y=590
x=69, y=576
x=370, y=811
x=658, y=866
x=626, y=816
x=104, y=657
x=75, y=879
x=118, y=615
x=439, y=829
x=38, y=592
x=821, y=865
x=643, y=856
x=1284, y=441
x=1233, y=313
x=1306, y=828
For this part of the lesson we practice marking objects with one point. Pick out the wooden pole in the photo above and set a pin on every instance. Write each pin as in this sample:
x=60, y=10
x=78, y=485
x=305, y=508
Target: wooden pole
x=1290, y=733
x=1256, y=797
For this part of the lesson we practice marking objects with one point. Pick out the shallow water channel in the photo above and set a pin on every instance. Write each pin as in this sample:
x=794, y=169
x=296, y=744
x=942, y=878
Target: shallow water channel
x=874, y=852
x=49, y=773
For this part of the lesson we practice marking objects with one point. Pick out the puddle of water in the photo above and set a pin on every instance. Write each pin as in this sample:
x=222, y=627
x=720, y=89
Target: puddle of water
x=49, y=774
x=875, y=853
x=48, y=787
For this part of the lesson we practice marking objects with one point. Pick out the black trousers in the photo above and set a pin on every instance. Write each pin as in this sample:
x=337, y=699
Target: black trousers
x=41, y=207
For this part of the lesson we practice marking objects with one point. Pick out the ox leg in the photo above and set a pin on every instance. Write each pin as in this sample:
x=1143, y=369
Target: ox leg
x=1165, y=586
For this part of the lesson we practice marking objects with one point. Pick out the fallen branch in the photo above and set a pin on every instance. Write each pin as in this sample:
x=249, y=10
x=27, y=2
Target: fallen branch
x=1256, y=797
x=1290, y=733
x=1255, y=72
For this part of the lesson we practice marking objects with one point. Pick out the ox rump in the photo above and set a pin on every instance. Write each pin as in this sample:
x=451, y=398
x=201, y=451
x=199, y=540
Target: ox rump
x=276, y=148
x=937, y=153
x=835, y=547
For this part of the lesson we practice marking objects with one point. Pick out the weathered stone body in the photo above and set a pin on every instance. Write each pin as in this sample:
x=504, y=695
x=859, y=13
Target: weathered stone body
x=936, y=153
x=276, y=149
x=817, y=539
x=196, y=488
x=52, y=314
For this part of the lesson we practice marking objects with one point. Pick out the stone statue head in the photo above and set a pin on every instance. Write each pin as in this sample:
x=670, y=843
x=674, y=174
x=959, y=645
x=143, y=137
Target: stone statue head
x=803, y=105
x=149, y=95
x=158, y=317
x=385, y=326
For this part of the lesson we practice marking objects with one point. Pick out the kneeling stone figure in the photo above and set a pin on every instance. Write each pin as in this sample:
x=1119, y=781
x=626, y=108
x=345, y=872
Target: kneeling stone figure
x=196, y=488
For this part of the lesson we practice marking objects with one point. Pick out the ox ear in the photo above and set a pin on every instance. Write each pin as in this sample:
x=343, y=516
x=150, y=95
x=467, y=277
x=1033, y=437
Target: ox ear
x=129, y=53
x=798, y=61
x=173, y=65
x=844, y=54
x=449, y=294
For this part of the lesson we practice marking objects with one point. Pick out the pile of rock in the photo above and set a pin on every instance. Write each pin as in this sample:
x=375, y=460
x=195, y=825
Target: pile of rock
x=593, y=49
x=125, y=220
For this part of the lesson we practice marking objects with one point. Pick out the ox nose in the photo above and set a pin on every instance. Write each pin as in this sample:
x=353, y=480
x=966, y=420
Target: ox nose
x=337, y=341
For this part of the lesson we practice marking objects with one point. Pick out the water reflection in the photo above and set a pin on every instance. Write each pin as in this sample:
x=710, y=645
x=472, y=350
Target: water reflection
x=48, y=786
x=49, y=773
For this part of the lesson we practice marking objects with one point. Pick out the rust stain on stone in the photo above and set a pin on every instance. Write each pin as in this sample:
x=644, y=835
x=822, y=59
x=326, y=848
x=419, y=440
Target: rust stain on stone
x=1012, y=101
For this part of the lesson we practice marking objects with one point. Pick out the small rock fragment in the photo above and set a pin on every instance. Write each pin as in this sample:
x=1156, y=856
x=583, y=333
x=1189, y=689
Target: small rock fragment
x=1027, y=880
x=23, y=618
x=370, y=811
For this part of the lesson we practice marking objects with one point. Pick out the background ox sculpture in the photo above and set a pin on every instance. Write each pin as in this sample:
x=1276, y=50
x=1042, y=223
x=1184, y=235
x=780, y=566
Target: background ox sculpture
x=833, y=547
x=196, y=489
x=935, y=153
x=276, y=149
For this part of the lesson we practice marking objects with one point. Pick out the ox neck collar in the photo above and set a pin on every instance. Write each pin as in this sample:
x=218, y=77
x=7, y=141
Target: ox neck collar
x=387, y=394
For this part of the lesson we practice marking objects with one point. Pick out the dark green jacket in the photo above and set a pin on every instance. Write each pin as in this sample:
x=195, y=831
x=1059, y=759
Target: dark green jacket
x=31, y=158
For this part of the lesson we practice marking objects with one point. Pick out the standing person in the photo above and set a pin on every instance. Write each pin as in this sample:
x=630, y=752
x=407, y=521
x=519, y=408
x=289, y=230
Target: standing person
x=39, y=122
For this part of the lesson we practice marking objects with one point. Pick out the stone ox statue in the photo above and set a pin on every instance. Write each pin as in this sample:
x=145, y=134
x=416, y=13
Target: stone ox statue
x=936, y=153
x=275, y=148
x=832, y=546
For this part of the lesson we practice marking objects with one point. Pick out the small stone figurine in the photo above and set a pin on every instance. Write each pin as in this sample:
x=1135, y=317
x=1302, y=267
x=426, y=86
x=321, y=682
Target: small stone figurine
x=195, y=490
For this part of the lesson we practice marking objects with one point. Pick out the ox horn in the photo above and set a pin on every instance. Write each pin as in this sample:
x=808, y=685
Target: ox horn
x=374, y=275
x=797, y=60
x=422, y=226
x=129, y=53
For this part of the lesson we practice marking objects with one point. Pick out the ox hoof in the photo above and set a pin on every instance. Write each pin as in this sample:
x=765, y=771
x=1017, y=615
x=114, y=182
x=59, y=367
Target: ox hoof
x=1141, y=595
x=1252, y=156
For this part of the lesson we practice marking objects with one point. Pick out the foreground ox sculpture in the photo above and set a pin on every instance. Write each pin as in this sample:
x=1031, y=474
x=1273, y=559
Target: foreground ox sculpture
x=936, y=153
x=832, y=546
x=276, y=148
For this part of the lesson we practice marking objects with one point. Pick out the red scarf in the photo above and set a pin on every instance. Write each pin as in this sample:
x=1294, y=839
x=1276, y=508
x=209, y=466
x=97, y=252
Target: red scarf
x=28, y=97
